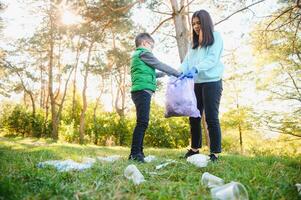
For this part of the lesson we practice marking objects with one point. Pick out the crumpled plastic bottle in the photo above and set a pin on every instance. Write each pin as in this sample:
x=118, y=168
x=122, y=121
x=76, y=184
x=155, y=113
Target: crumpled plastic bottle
x=131, y=172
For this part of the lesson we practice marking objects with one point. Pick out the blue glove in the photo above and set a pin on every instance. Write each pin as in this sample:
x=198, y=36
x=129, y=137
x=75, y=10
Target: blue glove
x=191, y=73
x=182, y=76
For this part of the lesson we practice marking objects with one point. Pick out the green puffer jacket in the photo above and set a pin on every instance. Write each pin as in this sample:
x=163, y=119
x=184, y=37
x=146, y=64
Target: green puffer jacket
x=143, y=76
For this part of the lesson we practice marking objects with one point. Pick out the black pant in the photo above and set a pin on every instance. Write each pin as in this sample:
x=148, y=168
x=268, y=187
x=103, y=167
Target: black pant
x=208, y=97
x=142, y=100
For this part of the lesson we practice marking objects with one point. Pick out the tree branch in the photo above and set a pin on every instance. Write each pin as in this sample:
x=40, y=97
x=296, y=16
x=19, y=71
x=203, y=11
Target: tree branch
x=239, y=11
x=163, y=13
x=169, y=35
x=285, y=23
x=64, y=94
x=296, y=32
x=161, y=23
x=295, y=84
x=284, y=12
x=183, y=7
x=125, y=8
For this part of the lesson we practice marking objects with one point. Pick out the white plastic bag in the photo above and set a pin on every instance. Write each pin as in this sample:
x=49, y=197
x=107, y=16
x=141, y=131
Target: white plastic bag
x=198, y=160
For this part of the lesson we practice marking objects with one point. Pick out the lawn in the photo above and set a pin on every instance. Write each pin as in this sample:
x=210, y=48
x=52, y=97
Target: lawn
x=265, y=176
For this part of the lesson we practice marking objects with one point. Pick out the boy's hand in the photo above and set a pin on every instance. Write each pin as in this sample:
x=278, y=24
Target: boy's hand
x=160, y=74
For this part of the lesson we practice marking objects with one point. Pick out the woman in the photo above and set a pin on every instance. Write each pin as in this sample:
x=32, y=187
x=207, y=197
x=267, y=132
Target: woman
x=203, y=63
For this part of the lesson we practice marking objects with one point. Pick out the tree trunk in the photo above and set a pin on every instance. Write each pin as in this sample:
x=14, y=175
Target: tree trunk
x=95, y=121
x=84, y=109
x=46, y=115
x=112, y=91
x=41, y=87
x=240, y=137
x=32, y=104
x=59, y=76
x=95, y=110
x=205, y=128
x=74, y=79
x=123, y=86
x=188, y=21
x=239, y=126
x=50, y=84
x=63, y=97
x=30, y=94
x=182, y=32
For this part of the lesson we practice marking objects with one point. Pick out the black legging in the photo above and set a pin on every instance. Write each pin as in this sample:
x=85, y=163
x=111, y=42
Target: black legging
x=208, y=97
x=142, y=101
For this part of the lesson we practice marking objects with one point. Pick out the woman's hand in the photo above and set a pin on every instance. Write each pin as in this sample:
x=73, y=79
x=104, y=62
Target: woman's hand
x=191, y=73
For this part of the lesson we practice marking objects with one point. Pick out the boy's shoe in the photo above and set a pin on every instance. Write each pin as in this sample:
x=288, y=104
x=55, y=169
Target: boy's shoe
x=137, y=157
x=213, y=158
x=190, y=153
x=142, y=152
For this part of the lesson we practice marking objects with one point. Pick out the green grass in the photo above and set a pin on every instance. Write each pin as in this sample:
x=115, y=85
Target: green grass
x=264, y=176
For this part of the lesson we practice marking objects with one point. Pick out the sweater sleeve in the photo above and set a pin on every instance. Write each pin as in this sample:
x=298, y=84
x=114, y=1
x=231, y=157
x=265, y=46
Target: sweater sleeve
x=152, y=61
x=184, y=65
x=214, y=54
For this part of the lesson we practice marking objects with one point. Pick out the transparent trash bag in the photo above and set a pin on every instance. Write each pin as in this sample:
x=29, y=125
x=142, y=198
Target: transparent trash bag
x=180, y=98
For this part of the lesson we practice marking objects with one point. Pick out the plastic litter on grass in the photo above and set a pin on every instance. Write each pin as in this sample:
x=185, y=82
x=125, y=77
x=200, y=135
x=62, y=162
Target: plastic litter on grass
x=66, y=165
x=109, y=159
x=211, y=181
x=198, y=160
x=69, y=165
x=131, y=172
x=221, y=191
x=150, y=158
x=298, y=185
x=168, y=161
x=230, y=191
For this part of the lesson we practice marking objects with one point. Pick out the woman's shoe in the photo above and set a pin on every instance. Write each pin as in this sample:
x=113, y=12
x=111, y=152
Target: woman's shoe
x=213, y=157
x=137, y=157
x=190, y=152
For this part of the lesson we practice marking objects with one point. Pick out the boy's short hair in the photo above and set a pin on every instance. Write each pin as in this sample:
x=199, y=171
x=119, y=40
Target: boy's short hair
x=142, y=37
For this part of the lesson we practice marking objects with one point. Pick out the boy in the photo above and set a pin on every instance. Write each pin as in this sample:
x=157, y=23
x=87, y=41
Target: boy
x=143, y=77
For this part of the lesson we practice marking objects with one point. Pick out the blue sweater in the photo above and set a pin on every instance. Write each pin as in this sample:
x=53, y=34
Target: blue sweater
x=206, y=60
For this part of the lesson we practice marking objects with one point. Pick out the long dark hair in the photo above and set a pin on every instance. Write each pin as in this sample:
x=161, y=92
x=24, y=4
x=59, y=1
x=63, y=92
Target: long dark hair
x=206, y=28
